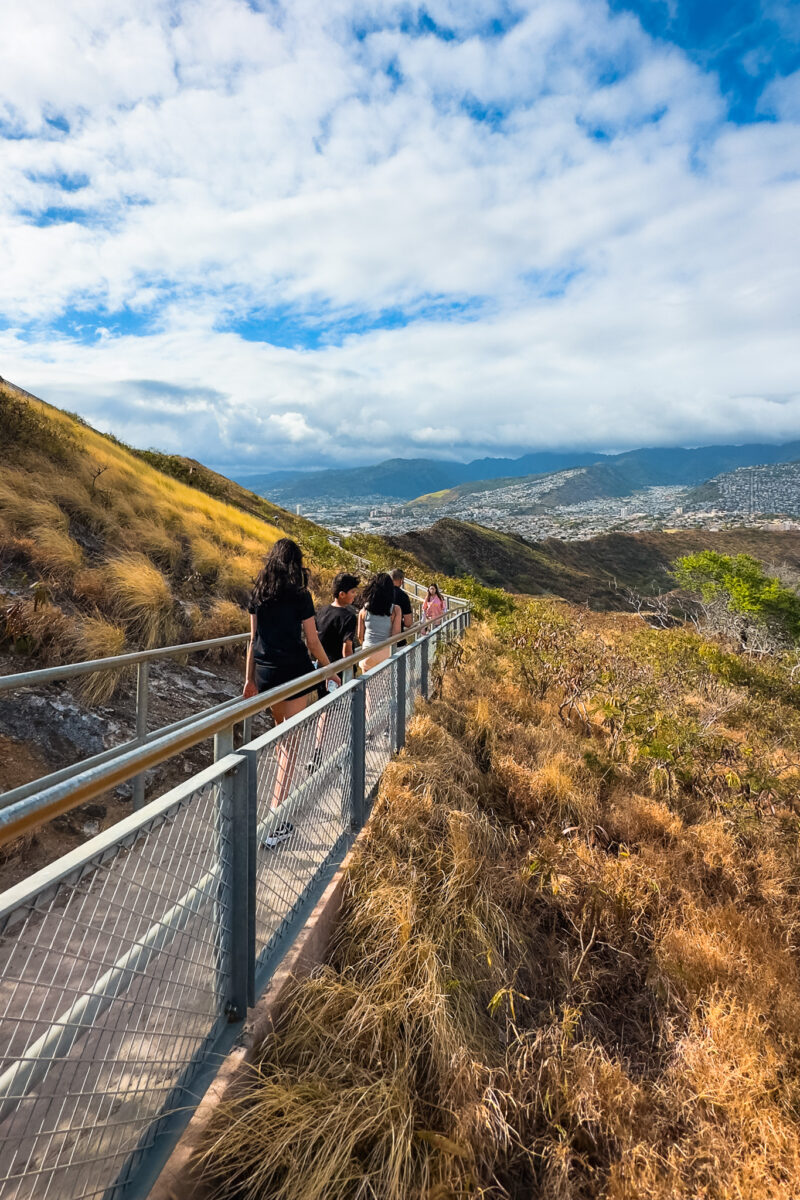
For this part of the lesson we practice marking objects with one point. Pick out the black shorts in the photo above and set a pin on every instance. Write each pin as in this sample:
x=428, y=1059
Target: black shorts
x=270, y=675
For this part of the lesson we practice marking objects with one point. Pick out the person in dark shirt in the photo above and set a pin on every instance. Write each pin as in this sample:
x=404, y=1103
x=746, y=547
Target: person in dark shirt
x=336, y=623
x=402, y=600
x=281, y=613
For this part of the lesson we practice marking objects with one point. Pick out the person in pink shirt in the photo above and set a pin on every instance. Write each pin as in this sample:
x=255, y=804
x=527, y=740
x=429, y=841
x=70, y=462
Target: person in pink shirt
x=433, y=606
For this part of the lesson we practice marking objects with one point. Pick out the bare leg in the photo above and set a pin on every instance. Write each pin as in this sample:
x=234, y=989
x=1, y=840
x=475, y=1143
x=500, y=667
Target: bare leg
x=287, y=754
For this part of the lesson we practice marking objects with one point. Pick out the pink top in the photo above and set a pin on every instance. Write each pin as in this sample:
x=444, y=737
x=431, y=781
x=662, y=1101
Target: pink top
x=432, y=606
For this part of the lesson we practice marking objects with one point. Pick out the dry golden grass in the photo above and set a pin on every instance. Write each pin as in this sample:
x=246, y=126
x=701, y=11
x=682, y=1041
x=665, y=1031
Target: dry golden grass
x=115, y=537
x=141, y=596
x=94, y=637
x=54, y=552
x=553, y=975
x=222, y=619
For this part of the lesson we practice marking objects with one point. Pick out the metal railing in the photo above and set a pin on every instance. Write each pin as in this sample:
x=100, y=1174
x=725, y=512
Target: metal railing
x=141, y=660
x=129, y=964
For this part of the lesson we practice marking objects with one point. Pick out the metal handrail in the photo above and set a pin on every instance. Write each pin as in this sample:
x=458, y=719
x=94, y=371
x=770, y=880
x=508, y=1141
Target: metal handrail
x=27, y=814
x=115, y=662
x=9, y=683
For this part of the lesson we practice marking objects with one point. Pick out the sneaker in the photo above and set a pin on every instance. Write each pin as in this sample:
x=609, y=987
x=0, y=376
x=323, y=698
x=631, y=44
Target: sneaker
x=315, y=761
x=278, y=835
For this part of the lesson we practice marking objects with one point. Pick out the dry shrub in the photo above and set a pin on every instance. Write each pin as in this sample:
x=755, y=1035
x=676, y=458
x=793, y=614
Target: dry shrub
x=222, y=619
x=162, y=547
x=141, y=596
x=238, y=576
x=94, y=637
x=35, y=626
x=55, y=552
x=208, y=559
x=548, y=978
x=24, y=512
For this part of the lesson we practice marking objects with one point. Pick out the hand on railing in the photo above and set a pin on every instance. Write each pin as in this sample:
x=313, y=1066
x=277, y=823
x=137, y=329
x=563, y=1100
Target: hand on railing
x=249, y=689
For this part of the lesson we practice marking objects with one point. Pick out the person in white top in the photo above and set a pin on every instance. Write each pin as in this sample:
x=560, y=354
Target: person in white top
x=379, y=619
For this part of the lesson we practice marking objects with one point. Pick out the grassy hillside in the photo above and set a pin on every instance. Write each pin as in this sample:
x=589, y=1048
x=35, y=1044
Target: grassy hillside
x=314, y=539
x=105, y=548
x=582, y=570
x=100, y=550
x=566, y=965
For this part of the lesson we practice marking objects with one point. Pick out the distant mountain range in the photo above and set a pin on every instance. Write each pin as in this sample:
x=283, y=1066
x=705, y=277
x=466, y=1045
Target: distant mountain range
x=404, y=478
x=607, y=474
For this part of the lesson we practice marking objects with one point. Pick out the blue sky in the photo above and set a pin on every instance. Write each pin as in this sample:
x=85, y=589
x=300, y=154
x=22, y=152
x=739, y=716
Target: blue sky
x=296, y=234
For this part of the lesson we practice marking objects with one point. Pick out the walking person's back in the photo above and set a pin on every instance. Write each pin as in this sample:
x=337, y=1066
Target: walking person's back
x=379, y=619
x=336, y=622
x=402, y=600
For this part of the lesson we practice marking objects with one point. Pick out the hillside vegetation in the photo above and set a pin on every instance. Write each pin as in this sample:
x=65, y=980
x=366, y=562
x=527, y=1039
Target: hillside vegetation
x=583, y=571
x=102, y=550
x=567, y=964
x=105, y=548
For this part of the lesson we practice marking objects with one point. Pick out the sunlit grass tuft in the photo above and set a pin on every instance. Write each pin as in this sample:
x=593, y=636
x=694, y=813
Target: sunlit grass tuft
x=94, y=637
x=138, y=592
x=55, y=552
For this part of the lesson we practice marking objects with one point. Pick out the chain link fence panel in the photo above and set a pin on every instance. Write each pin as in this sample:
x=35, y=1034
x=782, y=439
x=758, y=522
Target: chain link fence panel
x=114, y=980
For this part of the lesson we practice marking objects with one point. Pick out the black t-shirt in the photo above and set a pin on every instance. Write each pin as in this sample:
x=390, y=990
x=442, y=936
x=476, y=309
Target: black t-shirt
x=279, y=625
x=401, y=599
x=336, y=625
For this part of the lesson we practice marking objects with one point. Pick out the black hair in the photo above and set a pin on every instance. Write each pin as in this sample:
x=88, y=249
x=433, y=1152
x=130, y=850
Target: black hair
x=397, y=574
x=435, y=587
x=344, y=582
x=379, y=595
x=282, y=575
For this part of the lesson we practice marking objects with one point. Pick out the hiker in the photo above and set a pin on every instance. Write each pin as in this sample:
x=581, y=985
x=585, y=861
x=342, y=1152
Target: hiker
x=336, y=622
x=379, y=619
x=402, y=600
x=336, y=625
x=281, y=612
x=433, y=606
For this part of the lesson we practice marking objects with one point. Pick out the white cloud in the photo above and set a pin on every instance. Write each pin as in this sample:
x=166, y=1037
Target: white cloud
x=625, y=255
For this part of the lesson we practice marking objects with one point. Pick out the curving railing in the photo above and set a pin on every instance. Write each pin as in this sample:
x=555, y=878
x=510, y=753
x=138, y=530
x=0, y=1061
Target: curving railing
x=141, y=661
x=127, y=966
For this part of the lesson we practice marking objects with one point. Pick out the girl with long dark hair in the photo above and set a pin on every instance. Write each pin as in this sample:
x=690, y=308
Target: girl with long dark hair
x=281, y=612
x=379, y=618
x=434, y=605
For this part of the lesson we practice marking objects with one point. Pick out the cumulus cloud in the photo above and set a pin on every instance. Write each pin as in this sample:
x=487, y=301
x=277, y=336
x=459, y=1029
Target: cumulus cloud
x=328, y=233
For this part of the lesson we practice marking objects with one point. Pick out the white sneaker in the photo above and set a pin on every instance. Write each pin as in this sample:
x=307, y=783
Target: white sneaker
x=281, y=834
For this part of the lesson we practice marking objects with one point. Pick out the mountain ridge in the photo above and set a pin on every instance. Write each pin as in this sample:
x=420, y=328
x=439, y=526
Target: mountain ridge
x=421, y=479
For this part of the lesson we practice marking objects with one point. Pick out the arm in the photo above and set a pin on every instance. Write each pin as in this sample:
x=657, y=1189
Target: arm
x=360, y=626
x=397, y=623
x=407, y=619
x=347, y=648
x=250, y=688
x=315, y=645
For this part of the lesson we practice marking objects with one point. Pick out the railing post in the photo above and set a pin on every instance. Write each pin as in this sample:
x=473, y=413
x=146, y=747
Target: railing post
x=243, y=814
x=358, y=745
x=423, y=669
x=223, y=743
x=142, y=702
x=400, y=703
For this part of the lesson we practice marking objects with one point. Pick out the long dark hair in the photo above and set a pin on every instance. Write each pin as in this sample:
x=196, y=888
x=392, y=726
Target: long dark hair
x=282, y=575
x=435, y=587
x=379, y=595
